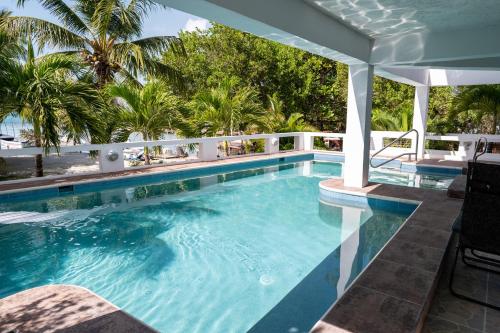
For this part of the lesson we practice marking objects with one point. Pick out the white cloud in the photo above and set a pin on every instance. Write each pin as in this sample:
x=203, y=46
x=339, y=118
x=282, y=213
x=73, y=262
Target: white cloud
x=193, y=24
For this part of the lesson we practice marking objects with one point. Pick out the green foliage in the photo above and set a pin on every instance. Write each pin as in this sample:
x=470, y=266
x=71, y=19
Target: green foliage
x=227, y=109
x=104, y=33
x=477, y=108
x=150, y=110
x=306, y=83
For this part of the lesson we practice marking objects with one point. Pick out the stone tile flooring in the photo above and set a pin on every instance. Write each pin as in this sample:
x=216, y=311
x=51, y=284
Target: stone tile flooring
x=449, y=314
x=64, y=309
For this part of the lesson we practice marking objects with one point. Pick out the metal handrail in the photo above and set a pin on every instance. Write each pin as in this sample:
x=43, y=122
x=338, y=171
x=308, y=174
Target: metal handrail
x=396, y=157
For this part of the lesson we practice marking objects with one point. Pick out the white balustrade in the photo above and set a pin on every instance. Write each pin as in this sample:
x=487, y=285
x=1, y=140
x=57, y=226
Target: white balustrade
x=111, y=156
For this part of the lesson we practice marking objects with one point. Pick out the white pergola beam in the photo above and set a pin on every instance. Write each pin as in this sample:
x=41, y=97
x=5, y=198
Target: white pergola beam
x=291, y=22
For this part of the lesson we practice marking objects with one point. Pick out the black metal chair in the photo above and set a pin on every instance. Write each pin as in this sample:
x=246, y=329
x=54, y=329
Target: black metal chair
x=479, y=224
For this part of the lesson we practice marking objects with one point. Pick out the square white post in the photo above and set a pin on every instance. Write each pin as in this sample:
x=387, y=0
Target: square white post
x=111, y=159
x=272, y=145
x=420, y=108
x=208, y=150
x=357, y=139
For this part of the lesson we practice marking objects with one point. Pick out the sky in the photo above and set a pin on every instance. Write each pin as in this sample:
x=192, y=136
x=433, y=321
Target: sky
x=159, y=22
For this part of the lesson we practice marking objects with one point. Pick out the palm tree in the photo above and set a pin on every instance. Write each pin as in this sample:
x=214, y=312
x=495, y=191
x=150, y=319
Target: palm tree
x=478, y=106
x=150, y=110
x=104, y=33
x=43, y=92
x=227, y=109
x=383, y=121
x=10, y=52
x=275, y=120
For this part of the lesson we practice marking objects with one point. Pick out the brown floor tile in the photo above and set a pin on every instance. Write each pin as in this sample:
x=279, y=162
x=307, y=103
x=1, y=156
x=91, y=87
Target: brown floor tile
x=401, y=281
x=494, y=291
x=426, y=236
x=492, y=324
x=412, y=254
x=367, y=311
x=448, y=307
x=439, y=325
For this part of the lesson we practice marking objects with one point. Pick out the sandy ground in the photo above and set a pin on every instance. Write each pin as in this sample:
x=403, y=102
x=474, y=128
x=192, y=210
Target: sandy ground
x=68, y=164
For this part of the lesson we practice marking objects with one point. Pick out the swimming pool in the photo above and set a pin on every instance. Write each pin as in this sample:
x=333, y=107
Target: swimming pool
x=399, y=173
x=245, y=250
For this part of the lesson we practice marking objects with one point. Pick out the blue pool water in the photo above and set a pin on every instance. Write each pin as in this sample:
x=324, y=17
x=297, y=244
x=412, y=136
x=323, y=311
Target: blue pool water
x=248, y=250
x=429, y=180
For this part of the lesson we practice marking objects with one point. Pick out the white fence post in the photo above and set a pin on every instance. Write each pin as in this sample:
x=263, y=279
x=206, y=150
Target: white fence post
x=272, y=145
x=209, y=150
x=111, y=159
x=298, y=141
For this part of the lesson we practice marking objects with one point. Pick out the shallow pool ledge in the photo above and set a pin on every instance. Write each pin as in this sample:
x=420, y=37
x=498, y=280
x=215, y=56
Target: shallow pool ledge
x=394, y=292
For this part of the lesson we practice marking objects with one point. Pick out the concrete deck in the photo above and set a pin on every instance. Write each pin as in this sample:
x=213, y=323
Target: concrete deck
x=394, y=293
x=64, y=309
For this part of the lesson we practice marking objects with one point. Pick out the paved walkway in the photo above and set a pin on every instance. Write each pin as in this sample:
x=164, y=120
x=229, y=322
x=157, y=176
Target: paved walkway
x=64, y=309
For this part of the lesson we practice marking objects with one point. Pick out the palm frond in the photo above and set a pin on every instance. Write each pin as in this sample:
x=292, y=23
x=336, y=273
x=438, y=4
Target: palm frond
x=45, y=33
x=154, y=46
x=66, y=15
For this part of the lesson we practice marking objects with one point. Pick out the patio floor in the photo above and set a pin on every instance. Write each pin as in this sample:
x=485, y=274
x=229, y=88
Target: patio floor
x=64, y=309
x=449, y=314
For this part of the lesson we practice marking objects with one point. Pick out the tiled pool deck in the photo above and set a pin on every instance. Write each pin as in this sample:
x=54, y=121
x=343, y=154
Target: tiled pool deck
x=395, y=292
x=64, y=309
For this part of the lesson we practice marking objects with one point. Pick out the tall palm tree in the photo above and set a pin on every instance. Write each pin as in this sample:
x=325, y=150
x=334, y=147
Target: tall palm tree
x=478, y=106
x=150, y=110
x=43, y=92
x=106, y=35
x=275, y=120
x=227, y=109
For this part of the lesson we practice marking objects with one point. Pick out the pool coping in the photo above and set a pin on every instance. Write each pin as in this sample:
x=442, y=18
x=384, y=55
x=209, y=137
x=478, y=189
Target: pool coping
x=394, y=291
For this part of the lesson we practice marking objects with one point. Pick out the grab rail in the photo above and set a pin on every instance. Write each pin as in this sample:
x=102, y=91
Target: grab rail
x=396, y=157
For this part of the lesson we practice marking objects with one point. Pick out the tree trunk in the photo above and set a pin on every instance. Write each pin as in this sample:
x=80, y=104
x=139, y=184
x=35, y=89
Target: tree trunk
x=147, y=160
x=38, y=160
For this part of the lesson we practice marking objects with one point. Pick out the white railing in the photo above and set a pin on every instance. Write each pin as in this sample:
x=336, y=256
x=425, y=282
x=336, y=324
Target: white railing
x=464, y=151
x=111, y=156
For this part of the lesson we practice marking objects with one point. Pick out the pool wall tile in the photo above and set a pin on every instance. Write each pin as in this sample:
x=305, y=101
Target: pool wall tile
x=151, y=178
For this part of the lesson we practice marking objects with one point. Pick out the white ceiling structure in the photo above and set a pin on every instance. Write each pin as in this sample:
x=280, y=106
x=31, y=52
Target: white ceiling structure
x=419, y=42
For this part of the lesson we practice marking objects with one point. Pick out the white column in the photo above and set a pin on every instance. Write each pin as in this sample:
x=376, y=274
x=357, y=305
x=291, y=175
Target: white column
x=420, y=108
x=357, y=139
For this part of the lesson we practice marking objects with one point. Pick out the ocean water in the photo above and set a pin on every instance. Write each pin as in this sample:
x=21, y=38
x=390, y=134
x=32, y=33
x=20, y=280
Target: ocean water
x=250, y=250
x=12, y=126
